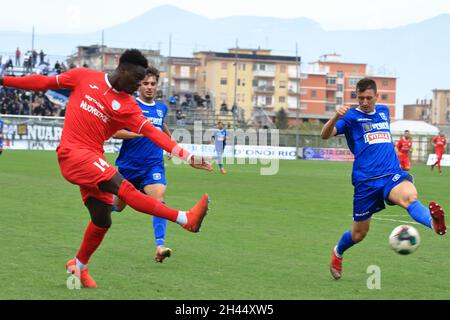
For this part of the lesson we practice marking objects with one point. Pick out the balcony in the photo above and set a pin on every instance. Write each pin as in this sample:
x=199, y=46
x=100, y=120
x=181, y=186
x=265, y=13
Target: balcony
x=294, y=91
x=264, y=73
x=264, y=89
x=301, y=76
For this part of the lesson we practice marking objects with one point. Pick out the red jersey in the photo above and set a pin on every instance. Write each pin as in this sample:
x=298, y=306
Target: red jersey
x=95, y=110
x=440, y=143
x=404, y=146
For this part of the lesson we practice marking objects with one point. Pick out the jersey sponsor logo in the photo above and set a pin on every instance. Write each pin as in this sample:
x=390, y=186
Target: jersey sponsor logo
x=91, y=109
x=375, y=126
x=156, y=121
x=367, y=126
x=383, y=116
x=380, y=126
x=160, y=113
x=363, y=119
x=377, y=137
x=157, y=176
x=93, y=87
x=116, y=105
x=90, y=99
x=396, y=177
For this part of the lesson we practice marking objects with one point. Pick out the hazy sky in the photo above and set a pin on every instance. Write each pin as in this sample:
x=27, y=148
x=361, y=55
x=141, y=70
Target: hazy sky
x=78, y=16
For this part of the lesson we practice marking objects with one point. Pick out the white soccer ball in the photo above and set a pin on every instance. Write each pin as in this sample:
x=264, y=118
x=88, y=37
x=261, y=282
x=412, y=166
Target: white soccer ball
x=404, y=239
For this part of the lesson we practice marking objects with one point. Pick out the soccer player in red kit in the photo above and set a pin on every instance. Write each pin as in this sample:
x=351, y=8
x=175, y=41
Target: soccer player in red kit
x=99, y=105
x=404, y=147
x=439, y=143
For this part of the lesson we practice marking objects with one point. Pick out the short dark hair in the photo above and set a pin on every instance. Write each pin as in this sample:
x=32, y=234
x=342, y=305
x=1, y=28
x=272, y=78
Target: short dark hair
x=135, y=57
x=366, y=84
x=153, y=72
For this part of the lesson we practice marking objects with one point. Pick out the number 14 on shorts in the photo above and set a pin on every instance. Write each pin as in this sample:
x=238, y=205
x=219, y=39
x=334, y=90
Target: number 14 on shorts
x=102, y=165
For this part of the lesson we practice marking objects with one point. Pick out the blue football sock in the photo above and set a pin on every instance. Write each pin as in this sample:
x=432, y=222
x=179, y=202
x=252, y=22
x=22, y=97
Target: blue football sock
x=345, y=243
x=419, y=213
x=159, y=229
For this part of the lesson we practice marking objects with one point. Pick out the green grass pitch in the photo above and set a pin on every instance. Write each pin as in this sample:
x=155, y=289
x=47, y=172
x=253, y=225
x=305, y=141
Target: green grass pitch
x=265, y=237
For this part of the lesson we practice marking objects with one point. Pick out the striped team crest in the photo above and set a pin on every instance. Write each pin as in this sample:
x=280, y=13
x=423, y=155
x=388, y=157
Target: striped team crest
x=116, y=105
x=160, y=113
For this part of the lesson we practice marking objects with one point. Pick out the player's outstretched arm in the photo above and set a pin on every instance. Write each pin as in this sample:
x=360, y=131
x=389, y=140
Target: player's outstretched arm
x=163, y=141
x=329, y=130
x=126, y=135
x=33, y=82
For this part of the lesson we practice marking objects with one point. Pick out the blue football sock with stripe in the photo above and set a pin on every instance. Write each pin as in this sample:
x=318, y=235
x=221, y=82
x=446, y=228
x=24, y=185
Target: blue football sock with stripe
x=420, y=213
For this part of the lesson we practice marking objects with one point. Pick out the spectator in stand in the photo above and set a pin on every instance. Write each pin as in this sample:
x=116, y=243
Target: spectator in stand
x=41, y=57
x=223, y=108
x=180, y=117
x=18, y=54
x=208, y=101
x=58, y=67
x=173, y=102
x=34, y=56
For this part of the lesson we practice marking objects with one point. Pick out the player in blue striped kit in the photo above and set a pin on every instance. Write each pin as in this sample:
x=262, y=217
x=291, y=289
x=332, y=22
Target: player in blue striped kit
x=141, y=162
x=377, y=177
x=220, y=139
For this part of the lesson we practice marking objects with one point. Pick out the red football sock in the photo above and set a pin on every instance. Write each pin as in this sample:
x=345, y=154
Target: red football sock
x=145, y=204
x=92, y=239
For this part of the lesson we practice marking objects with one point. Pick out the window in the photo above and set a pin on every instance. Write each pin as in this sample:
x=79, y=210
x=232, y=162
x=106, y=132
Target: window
x=331, y=80
x=313, y=93
x=340, y=74
x=384, y=96
x=268, y=101
x=353, y=95
x=255, y=83
x=224, y=66
x=238, y=82
x=385, y=83
x=184, y=71
x=223, y=81
x=339, y=101
x=282, y=84
x=353, y=81
x=282, y=99
x=340, y=87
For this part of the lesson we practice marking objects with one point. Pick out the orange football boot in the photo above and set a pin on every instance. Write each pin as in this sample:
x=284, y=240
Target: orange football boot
x=196, y=215
x=86, y=280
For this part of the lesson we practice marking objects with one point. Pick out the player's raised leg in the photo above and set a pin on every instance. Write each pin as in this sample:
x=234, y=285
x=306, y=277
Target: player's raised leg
x=405, y=195
x=190, y=220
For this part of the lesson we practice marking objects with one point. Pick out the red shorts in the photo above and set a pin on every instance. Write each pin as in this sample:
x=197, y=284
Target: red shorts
x=405, y=163
x=86, y=168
